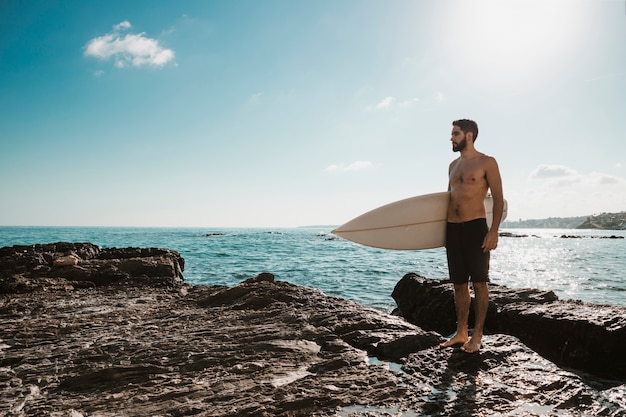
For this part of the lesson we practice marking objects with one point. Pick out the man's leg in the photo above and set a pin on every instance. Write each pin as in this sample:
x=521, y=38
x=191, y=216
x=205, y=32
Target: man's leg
x=481, y=304
x=462, y=304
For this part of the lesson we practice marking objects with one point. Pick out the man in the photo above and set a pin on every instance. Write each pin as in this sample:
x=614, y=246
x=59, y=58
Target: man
x=468, y=239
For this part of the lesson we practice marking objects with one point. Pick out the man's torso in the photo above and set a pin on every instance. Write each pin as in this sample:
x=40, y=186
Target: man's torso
x=468, y=188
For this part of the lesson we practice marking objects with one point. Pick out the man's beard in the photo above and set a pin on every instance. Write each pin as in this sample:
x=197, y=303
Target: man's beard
x=460, y=146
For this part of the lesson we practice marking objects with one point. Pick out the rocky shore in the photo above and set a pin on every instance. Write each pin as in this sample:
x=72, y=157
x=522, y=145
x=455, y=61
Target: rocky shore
x=117, y=332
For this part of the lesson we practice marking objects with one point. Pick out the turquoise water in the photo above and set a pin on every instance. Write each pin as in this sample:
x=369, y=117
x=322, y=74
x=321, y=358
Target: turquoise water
x=589, y=268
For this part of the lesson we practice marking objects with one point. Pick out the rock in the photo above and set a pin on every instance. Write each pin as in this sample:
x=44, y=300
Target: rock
x=263, y=276
x=69, y=260
x=504, y=376
x=573, y=334
x=261, y=349
x=62, y=266
x=510, y=234
x=271, y=349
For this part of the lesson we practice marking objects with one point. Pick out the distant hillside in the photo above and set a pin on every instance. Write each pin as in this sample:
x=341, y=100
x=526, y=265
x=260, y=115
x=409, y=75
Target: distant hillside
x=604, y=221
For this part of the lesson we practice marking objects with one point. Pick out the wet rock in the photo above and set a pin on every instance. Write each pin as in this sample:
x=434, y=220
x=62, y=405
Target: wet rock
x=504, y=378
x=573, y=334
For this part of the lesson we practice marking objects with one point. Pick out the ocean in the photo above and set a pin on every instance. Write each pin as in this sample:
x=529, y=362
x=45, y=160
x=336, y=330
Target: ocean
x=587, y=266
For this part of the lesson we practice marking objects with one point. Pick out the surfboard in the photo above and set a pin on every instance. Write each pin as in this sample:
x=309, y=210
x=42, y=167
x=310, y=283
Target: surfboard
x=410, y=224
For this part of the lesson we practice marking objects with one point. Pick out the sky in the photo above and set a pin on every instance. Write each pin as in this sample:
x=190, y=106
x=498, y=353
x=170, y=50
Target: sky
x=282, y=113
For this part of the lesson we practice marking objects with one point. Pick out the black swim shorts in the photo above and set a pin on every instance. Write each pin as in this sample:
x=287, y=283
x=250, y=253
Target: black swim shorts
x=466, y=259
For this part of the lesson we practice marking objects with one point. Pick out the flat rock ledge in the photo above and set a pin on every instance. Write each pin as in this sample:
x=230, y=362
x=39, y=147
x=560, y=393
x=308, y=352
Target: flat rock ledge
x=147, y=344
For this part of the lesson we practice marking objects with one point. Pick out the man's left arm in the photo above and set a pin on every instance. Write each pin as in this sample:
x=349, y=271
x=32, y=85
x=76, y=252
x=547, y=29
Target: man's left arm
x=494, y=181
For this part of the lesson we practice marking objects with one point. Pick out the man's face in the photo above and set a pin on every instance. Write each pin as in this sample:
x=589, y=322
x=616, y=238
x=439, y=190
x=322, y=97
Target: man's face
x=459, y=140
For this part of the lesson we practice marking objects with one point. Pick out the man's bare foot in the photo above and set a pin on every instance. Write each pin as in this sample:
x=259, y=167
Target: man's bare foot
x=472, y=345
x=457, y=339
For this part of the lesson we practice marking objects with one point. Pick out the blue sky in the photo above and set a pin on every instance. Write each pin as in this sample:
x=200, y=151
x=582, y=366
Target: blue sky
x=287, y=113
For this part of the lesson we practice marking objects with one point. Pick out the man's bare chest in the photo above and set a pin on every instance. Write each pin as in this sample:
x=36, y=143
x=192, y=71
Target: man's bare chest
x=460, y=175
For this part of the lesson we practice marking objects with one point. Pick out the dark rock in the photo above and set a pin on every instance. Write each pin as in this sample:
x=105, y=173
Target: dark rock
x=114, y=378
x=573, y=334
x=263, y=276
x=160, y=351
x=509, y=234
x=47, y=267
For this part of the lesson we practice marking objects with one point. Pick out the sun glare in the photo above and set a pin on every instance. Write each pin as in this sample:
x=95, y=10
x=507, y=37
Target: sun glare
x=513, y=45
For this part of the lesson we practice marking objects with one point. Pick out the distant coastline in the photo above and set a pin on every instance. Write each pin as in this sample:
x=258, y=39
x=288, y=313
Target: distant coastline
x=604, y=221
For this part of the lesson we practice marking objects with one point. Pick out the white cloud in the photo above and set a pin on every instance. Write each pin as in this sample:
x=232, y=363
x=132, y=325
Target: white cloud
x=354, y=166
x=409, y=102
x=254, y=98
x=385, y=103
x=556, y=175
x=129, y=49
x=439, y=97
x=605, y=179
x=122, y=25
x=551, y=175
x=546, y=171
x=560, y=191
x=390, y=102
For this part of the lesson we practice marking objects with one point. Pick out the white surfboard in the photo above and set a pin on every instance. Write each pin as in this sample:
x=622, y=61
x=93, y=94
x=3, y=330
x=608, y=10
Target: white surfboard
x=409, y=224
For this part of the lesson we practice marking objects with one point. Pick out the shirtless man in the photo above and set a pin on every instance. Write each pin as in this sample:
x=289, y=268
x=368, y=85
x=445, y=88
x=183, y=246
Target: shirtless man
x=468, y=239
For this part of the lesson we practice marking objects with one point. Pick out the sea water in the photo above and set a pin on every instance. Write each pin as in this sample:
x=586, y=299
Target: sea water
x=589, y=267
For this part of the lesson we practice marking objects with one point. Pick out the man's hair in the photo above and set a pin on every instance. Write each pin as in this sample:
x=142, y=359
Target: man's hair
x=467, y=125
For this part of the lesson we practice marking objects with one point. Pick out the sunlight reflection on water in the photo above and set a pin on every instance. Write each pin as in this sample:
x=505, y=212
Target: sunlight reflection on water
x=571, y=267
